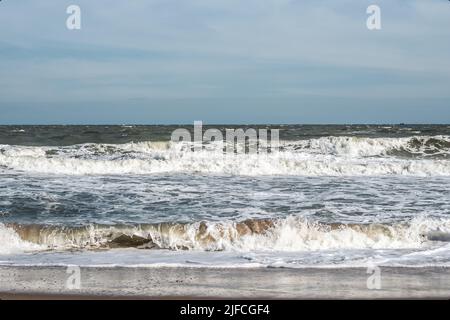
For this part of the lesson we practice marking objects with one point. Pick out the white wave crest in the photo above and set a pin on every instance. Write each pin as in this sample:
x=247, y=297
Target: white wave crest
x=297, y=234
x=330, y=156
x=367, y=147
x=285, y=235
x=10, y=242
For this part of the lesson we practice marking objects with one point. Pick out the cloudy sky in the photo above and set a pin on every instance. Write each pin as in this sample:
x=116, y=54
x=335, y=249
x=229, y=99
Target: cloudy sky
x=224, y=61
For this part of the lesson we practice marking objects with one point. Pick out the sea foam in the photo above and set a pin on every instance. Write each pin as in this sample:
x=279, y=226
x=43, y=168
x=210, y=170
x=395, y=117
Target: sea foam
x=328, y=156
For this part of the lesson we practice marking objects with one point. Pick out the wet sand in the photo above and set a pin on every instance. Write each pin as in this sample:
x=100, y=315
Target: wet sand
x=215, y=283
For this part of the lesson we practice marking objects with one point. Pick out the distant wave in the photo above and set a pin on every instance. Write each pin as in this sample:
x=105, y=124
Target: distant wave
x=287, y=234
x=408, y=147
x=328, y=156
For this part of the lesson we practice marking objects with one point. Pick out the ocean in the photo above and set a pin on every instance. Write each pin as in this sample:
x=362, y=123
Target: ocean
x=332, y=196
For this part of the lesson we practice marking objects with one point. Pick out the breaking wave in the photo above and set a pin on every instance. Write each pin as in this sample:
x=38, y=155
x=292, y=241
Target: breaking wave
x=288, y=234
x=327, y=156
x=408, y=147
x=11, y=242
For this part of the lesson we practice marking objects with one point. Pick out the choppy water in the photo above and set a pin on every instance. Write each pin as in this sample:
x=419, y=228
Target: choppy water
x=332, y=196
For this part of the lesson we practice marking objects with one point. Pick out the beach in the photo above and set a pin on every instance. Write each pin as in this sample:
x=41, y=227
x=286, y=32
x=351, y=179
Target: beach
x=218, y=283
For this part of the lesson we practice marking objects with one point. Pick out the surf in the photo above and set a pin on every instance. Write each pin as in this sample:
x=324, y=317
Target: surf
x=285, y=234
x=326, y=156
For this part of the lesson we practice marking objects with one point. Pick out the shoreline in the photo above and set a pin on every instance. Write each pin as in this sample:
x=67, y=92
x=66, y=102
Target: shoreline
x=18, y=282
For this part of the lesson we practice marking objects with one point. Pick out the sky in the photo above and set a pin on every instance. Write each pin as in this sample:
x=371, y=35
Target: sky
x=224, y=61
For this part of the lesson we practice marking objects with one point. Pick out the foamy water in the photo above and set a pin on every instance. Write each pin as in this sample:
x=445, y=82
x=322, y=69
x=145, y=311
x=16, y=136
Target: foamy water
x=337, y=195
x=329, y=156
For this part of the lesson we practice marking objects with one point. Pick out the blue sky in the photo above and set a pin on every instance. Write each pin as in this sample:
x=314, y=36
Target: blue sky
x=224, y=61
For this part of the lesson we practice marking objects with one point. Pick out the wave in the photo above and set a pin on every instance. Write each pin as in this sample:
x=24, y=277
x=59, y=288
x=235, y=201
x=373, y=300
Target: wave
x=330, y=156
x=288, y=234
x=11, y=242
x=407, y=147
